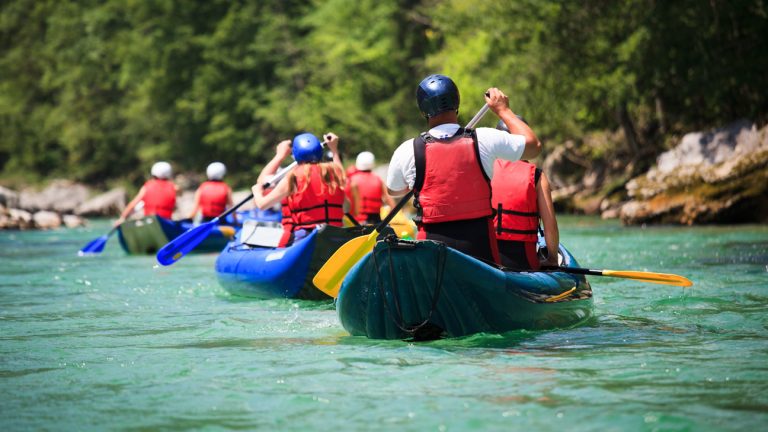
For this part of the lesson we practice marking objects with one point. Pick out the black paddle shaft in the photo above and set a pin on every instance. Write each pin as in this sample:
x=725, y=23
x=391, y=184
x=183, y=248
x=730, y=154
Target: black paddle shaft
x=279, y=176
x=393, y=212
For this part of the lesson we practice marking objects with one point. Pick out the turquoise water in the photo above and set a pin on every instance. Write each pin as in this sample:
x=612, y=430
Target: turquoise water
x=114, y=342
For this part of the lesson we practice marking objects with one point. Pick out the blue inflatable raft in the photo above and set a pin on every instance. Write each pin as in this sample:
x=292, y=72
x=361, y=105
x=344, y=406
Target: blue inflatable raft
x=271, y=272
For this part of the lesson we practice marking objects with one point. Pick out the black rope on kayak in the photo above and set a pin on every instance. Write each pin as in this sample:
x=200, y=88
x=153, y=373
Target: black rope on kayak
x=397, y=318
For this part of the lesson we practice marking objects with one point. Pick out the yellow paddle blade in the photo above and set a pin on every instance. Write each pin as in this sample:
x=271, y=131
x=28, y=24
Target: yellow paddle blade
x=659, y=278
x=330, y=276
x=227, y=231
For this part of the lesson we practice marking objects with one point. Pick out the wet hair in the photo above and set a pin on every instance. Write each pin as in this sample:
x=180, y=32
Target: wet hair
x=331, y=174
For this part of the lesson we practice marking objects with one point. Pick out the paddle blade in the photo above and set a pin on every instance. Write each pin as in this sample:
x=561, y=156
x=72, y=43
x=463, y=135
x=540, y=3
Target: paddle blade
x=658, y=278
x=330, y=276
x=183, y=244
x=95, y=246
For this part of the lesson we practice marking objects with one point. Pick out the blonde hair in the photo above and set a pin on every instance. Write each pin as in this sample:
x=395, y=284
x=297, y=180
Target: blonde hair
x=331, y=174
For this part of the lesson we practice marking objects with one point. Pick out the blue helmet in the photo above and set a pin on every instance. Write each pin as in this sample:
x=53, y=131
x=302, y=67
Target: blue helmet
x=307, y=148
x=437, y=94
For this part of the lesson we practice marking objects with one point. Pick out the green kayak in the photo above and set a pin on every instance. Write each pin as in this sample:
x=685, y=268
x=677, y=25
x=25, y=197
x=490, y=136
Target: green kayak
x=424, y=290
x=148, y=234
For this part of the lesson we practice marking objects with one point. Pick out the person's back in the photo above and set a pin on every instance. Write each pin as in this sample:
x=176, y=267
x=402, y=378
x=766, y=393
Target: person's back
x=213, y=198
x=314, y=200
x=367, y=191
x=159, y=198
x=159, y=192
x=522, y=198
x=517, y=214
x=214, y=195
x=449, y=168
x=312, y=193
x=369, y=188
x=158, y=195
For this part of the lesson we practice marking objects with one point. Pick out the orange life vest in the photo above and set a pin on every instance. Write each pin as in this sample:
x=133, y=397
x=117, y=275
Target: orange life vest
x=213, y=198
x=515, y=201
x=451, y=185
x=159, y=198
x=369, y=187
x=313, y=202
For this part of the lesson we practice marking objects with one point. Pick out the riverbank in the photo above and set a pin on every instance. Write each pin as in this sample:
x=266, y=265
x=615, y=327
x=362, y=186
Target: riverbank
x=716, y=176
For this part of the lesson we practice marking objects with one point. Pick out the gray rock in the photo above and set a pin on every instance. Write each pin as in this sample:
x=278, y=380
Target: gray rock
x=9, y=198
x=184, y=204
x=22, y=216
x=715, y=177
x=46, y=219
x=73, y=221
x=62, y=196
x=107, y=204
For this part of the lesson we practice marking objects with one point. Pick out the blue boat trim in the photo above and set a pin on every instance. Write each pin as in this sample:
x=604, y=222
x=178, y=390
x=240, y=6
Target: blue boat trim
x=266, y=272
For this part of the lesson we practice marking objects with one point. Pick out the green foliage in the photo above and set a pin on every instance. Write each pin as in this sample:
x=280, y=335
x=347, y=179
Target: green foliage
x=98, y=90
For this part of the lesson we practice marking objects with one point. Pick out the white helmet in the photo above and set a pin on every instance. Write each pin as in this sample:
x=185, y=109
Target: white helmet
x=216, y=171
x=365, y=161
x=161, y=170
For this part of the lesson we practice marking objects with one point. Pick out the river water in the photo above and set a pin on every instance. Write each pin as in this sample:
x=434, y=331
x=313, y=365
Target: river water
x=113, y=342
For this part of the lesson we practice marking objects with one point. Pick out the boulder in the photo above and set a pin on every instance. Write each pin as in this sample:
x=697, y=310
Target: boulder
x=62, y=196
x=45, y=219
x=720, y=176
x=20, y=219
x=9, y=198
x=73, y=221
x=110, y=203
x=185, y=202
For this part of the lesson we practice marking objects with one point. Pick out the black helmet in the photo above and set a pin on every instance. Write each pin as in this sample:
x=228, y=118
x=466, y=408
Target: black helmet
x=437, y=94
x=503, y=126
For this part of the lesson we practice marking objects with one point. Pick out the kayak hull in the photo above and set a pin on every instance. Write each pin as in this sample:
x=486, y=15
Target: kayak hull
x=425, y=290
x=145, y=236
x=266, y=272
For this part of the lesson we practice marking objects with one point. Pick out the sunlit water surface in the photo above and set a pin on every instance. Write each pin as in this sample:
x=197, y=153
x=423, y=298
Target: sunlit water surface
x=115, y=342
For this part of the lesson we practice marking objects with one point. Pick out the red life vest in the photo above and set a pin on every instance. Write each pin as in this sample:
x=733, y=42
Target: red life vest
x=351, y=172
x=451, y=184
x=313, y=202
x=287, y=221
x=515, y=201
x=213, y=198
x=159, y=198
x=369, y=187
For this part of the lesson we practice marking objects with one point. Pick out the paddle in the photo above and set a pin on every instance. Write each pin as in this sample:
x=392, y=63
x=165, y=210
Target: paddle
x=183, y=244
x=96, y=245
x=657, y=278
x=330, y=276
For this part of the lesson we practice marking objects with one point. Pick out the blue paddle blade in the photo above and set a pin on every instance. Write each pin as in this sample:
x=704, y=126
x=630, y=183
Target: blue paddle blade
x=183, y=244
x=95, y=246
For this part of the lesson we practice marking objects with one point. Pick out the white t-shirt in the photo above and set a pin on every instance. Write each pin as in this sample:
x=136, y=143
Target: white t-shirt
x=492, y=143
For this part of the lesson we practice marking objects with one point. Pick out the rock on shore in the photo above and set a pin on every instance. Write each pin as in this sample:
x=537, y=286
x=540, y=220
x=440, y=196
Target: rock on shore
x=62, y=202
x=720, y=176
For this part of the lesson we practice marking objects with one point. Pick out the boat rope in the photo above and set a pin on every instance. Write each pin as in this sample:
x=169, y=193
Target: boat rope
x=397, y=315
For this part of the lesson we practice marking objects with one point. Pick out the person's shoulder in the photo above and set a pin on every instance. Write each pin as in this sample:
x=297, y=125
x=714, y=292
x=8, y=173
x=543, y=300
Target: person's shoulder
x=403, y=151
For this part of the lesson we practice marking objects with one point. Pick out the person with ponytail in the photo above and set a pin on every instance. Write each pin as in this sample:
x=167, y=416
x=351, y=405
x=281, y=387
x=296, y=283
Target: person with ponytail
x=313, y=191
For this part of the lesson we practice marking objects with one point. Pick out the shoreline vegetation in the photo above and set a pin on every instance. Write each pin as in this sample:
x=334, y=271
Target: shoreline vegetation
x=95, y=92
x=716, y=176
